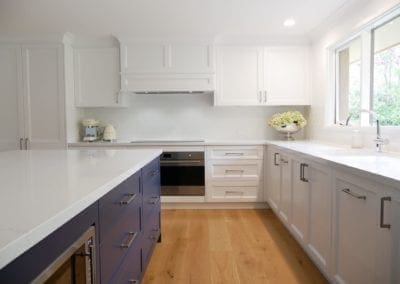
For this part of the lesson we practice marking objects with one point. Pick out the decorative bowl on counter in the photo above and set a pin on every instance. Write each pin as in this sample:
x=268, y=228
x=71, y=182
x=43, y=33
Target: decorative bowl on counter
x=288, y=123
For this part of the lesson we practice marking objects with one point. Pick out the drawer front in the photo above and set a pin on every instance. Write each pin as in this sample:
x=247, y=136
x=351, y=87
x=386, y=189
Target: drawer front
x=117, y=202
x=235, y=193
x=227, y=170
x=118, y=240
x=150, y=236
x=151, y=188
x=151, y=179
x=131, y=267
x=235, y=152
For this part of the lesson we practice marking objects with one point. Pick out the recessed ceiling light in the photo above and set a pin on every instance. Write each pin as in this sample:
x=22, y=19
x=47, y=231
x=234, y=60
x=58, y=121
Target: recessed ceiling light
x=289, y=22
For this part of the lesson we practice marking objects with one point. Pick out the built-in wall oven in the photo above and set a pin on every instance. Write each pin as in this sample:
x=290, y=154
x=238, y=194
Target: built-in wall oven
x=182, y=173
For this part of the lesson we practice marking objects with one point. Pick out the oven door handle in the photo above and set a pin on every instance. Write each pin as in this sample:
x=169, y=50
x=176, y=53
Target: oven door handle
x=182, y=163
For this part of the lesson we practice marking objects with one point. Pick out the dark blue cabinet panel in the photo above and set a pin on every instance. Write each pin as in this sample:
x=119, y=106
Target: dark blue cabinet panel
x=131, y=269
x=151, y=234
x=114, y=204
x=151, y=188
x=123, y=235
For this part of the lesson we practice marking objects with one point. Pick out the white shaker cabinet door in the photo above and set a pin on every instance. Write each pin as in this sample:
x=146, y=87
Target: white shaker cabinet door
x=286, y=75
x=239, y=76
x=286, y=188
x=96, y=77
x=355, y=232
x=388, y=252
x=11, y=112
x=44, y=101
x=320, y=191
x=273, y=179
x=300, y=201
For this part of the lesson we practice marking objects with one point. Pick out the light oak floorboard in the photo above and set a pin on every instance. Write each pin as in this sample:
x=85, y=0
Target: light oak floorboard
x=228, y=246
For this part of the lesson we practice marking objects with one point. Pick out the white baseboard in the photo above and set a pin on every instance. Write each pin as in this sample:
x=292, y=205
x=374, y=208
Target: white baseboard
x=214, y=205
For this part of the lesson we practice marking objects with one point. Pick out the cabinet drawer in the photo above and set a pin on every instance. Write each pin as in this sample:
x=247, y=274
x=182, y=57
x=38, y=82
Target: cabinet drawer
x=151, y=187
x=131, y=268
x=235, y=152
x=150, y=236
x=151, y=179
x=116, y=243
x=235, y=192
x=227, y=170
x=117, y=202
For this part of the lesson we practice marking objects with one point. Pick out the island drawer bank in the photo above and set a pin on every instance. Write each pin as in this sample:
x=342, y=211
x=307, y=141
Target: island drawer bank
x=121, y=248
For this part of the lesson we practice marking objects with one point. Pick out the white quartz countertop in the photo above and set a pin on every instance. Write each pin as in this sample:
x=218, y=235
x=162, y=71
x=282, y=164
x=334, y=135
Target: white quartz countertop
x=384, y=167
x=42, y=190
x=167, y=142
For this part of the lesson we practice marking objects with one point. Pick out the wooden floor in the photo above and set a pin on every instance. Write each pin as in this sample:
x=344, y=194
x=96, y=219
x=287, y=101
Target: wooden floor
x=228, y=246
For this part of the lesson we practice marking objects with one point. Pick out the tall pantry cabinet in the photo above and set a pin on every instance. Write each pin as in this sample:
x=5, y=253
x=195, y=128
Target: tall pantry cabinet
x=32, y=94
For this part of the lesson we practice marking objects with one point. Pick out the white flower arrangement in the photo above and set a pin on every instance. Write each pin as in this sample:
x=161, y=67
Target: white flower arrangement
x=284, y=119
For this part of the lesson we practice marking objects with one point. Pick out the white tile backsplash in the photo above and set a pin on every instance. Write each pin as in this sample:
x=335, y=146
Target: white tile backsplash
x=191, y=116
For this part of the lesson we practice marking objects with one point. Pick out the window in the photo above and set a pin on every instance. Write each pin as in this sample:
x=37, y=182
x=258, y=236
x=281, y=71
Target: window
x=349, y=81
x=386, y=73
x=368, y=75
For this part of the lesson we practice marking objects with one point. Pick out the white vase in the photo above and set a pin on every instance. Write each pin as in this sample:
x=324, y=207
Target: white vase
x=288, y=130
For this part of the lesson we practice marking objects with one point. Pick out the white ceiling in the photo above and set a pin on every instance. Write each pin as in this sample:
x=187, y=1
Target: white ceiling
x=165, y=17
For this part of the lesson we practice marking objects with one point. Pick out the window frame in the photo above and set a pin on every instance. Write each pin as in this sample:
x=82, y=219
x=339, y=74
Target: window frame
x=367, y=35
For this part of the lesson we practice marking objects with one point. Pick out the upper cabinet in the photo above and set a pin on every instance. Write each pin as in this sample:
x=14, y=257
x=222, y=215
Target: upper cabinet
x=286, y=75
x=96, y=77
x=96, y=72
x=255, y=75
x=33, y=95
x=153, y=65
x=239, y=76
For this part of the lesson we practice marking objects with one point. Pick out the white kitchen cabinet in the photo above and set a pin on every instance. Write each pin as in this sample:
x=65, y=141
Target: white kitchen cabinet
x=97, y=81
x=286, y=75
x=234, y=173
x=319, y=213
x=44, y=96
x=300, y=201
x=273, y=179
x=11, y=106
x=239, y=76
x=286, y=187
x=34, y=96
x=249, y=75
x=159, y=65
x=366, y=249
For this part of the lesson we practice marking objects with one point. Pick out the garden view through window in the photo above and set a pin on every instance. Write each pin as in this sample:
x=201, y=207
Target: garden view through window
x=383, y=96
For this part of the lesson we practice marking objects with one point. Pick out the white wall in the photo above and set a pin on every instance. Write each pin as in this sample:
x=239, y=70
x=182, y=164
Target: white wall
x=188, y=116
x=337, y=29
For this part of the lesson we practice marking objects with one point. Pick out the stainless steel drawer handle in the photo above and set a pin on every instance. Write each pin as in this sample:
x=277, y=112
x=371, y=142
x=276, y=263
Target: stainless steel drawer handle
x=153, y=200
x=131, y=238
x=302, y=170
x=134, y=281
x=233, y=154
x=20, y=143
x=284, y=161
x=358, y=196
x=275, y=160
x=383, y=199
x=229, y=171
x=233, y=191
x=131, y=196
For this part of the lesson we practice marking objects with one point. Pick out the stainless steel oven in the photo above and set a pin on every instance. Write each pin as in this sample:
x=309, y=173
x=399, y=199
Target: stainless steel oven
x=182, y=173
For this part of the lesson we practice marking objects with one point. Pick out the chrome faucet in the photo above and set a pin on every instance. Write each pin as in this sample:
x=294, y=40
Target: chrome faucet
x=379, y=140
